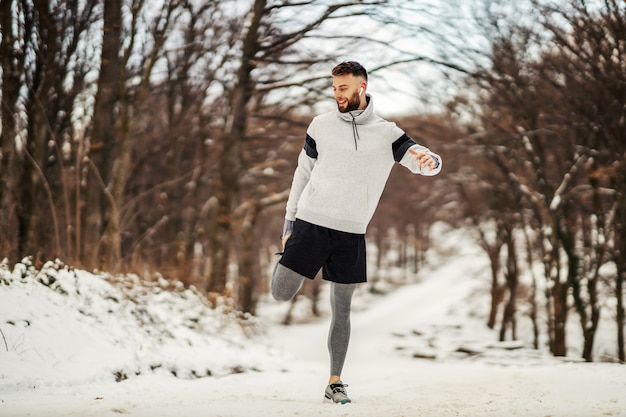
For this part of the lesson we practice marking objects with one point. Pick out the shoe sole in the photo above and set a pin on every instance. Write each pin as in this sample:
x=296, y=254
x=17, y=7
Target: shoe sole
x=330, y=401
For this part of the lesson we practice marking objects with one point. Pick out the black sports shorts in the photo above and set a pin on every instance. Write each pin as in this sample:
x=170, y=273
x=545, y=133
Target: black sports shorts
x=341, y=255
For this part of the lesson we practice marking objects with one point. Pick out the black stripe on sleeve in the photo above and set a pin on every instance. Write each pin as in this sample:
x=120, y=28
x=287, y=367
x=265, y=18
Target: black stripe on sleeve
x=310, y=147
x=401, y=146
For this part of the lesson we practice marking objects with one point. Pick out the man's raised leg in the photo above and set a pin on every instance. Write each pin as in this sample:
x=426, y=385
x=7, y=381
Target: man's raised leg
x=285, y=283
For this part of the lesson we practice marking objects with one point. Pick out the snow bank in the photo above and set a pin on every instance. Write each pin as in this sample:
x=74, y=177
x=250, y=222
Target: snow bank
x=65, y=326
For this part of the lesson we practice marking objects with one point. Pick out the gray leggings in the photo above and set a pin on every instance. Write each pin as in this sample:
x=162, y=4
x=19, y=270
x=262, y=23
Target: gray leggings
x=286, y=284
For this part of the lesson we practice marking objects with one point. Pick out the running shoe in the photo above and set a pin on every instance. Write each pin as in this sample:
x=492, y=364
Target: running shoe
x=336, y=393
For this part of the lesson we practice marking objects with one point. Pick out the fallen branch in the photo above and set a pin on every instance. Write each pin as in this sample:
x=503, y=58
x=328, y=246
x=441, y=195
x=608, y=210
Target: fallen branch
x=6, y=346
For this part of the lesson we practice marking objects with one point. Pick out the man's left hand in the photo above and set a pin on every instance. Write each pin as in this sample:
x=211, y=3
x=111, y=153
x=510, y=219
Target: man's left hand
x=424, y=160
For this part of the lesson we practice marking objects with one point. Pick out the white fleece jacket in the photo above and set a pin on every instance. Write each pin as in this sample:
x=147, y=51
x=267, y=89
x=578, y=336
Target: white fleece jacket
x=344, y=166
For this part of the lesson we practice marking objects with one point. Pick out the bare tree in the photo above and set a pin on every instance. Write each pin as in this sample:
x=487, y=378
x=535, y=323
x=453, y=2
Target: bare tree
x=551, y=154
x=587, y=68
x=12, y=61
x=104, y=131
x=43, y=77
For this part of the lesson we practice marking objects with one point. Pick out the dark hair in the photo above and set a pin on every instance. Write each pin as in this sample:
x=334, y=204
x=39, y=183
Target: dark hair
x=350, y=67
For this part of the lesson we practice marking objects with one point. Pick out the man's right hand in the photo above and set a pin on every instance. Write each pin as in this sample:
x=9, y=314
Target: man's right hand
x=284, y=240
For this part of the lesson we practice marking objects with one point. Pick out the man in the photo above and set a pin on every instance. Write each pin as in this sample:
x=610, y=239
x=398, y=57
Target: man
x=342, y=171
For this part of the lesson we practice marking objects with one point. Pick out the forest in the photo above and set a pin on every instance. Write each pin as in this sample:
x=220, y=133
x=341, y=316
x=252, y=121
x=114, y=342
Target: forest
x=160, y=138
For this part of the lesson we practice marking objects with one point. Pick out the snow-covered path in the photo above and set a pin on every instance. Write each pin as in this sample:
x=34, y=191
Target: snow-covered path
x=382, y=381
x=435, y=318
x=416, y=389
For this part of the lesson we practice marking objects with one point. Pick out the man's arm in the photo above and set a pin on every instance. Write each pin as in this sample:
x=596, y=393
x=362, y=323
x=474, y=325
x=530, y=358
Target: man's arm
x=306, y=161
x=417, y=158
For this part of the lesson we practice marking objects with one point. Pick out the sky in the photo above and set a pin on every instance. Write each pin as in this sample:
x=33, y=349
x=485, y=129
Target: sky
x=73, y=344
x=400, y=33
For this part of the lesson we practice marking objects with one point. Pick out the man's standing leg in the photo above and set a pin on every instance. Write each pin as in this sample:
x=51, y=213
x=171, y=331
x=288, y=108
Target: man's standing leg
x=339, y=338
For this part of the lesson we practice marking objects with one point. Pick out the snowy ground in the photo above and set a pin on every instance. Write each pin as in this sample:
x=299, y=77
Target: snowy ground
x=68, y=337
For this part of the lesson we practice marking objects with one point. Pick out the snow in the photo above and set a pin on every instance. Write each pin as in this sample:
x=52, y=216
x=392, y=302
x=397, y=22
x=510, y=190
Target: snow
x=75, y=343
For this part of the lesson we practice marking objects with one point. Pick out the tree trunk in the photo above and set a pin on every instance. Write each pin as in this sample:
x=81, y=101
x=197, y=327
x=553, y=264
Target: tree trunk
x=103, y=135
x=559, y=341
x=249, y=268
x=33, y=154
x=493, y=252
x=230, y=164
x=588, y=322
x=559, y=298
x=512, y=278
x=557, y=308
x=532, y=299
x=248, y=263
x=10, y=60
x=620, y=258
x=497, y=292
x=619, y=290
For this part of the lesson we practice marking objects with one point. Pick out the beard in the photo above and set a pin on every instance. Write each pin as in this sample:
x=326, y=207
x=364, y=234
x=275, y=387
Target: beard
x=353, y=104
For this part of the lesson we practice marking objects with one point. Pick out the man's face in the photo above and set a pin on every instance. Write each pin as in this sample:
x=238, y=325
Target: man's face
x=346, y=88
